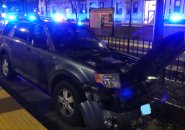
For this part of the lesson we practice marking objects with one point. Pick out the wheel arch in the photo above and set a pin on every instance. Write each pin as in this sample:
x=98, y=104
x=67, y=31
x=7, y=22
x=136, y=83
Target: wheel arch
x=61, y=76
x=2, y=52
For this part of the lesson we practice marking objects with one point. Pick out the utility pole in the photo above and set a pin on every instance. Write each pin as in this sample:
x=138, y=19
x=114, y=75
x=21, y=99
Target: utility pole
x=158, y=23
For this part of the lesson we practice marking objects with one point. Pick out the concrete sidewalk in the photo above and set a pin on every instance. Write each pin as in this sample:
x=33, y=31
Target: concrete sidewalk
x=14, y=117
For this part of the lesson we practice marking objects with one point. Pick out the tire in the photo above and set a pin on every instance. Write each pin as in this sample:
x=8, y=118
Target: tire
x=67, y=100
x=6, y=68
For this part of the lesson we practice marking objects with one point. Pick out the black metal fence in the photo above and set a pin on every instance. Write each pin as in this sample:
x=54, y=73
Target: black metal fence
x=173, y=72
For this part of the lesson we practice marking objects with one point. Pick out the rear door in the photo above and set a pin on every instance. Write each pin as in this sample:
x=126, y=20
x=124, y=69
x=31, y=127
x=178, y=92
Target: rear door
x=18, y=44
x=40, y=54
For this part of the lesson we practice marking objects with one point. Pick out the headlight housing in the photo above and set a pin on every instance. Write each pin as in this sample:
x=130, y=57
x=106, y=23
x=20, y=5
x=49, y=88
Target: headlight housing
x=108, y=80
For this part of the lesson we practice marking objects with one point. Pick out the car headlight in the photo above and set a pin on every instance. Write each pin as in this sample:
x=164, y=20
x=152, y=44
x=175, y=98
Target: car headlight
x=108, y=80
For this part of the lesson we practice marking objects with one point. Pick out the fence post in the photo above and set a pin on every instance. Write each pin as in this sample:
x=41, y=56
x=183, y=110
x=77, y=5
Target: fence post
x=128, y=46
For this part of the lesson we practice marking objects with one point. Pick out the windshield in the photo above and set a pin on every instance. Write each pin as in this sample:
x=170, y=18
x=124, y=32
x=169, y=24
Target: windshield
x=74, y=37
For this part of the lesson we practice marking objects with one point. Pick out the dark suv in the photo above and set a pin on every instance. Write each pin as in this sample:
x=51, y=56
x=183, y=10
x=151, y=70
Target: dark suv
x=80, y=72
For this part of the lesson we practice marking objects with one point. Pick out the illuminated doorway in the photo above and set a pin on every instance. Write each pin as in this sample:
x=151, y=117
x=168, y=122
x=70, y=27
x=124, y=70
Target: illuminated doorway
x=149, y=11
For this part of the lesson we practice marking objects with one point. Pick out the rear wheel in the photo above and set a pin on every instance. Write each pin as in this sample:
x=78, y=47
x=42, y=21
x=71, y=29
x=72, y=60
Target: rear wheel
x=67, y=100
x=6, y=68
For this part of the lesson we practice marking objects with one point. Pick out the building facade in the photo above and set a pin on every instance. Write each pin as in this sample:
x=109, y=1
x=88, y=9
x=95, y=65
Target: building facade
x=175, y=7
x=142, y=11
x=18, y=6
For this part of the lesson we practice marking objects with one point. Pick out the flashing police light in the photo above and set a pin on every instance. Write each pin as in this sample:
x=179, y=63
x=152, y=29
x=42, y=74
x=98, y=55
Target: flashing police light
x=80, y=23
x=4, y=6
x=83, y=11
x=58, y=17
x=127, y=93
x=32, y=18
x=11, y=17
x=175, y=17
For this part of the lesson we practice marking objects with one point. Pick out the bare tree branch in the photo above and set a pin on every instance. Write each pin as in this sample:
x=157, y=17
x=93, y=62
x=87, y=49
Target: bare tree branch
x=74, y=6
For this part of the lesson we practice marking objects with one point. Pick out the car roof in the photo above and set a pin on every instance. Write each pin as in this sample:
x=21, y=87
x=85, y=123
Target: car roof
x=51, y=23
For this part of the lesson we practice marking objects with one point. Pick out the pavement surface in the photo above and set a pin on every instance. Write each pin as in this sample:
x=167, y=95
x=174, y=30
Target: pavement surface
x=14, y=117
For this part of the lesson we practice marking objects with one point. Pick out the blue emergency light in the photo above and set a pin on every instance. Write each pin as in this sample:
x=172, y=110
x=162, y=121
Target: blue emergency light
x=58, y=18
x=32, y=18
x=11, y=17
x=80, y=23
x=176, y=17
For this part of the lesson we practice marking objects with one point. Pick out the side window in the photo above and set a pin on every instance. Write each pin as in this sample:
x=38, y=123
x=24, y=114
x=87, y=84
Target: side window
x=135, y=7
x=38, y=37
x=31, y=32
x=21, y=31
x=65, y=38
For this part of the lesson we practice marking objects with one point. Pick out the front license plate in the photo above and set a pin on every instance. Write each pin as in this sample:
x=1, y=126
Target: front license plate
x=145, y=109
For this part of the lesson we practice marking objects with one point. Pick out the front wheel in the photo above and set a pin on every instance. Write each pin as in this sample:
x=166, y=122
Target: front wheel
x=6, y=68
x=67, y=100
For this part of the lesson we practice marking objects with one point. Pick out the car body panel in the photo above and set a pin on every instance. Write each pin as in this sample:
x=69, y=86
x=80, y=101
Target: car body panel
x=158, y=57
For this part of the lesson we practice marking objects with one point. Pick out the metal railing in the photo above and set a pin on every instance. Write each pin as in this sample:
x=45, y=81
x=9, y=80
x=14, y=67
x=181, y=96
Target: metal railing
x=132, y=46
x=173, y=72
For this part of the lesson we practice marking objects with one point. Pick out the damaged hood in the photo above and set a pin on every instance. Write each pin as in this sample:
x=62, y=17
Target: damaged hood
x=107, y=61
x=157, y=58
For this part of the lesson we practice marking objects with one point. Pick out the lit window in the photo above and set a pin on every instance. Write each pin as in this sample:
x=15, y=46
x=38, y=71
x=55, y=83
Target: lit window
x=93, y=5
x=101, y=4
x=135, y=8
x=48, y=10
x=119, y=8
x=81, y=8
x=54, y=9
x=42, y=10
x=85, y=8
x=177, y=5
x=128, y=7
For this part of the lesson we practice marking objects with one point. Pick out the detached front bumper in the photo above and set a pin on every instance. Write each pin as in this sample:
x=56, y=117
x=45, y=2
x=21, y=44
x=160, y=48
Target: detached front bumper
x=113, y=108
x=129, y=119
x=96, y=117
x=116, y=101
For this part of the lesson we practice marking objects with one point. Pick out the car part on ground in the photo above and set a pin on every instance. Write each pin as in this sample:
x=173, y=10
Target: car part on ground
x=92, y=115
